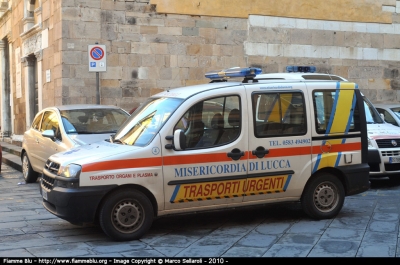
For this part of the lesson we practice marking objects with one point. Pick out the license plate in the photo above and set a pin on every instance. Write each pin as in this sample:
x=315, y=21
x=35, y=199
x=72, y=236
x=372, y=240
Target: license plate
x=44, y=194
x=394, y=160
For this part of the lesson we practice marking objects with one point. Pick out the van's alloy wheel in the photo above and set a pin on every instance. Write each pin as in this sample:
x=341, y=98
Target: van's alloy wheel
x=126, y=215
x=30, y=176
x=323, y=196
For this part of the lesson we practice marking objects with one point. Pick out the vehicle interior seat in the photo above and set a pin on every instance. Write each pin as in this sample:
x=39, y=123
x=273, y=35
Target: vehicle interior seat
x=194, y=133
x=232, y=133
x=83, y=119
x=212, y=135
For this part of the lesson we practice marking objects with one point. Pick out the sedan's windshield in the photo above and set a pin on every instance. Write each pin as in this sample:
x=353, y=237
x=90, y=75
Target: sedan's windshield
x=371, y=114
x=146, y=121
x=92, y=121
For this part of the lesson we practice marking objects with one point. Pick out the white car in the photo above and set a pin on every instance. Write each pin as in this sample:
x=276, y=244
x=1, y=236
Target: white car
x=57, y=129
x=391, y=113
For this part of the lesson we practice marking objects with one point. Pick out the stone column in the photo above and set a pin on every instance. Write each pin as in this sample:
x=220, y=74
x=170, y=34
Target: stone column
x=5, y=92
x=39, y=60
x=29, y=63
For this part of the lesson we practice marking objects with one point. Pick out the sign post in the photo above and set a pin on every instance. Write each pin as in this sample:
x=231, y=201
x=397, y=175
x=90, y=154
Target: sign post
x=97, y=63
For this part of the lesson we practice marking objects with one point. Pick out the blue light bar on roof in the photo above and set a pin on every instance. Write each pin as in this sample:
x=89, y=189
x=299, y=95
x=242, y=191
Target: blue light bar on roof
x=248, y=72
x=301, y=69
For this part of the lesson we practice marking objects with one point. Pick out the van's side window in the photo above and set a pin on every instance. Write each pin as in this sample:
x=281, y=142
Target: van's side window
x=211, y=122
x=277, y=114
x=328, y=106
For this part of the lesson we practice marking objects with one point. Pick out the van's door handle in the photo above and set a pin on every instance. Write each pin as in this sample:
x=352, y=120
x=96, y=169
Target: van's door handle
x=236, y=154
x=260, y=152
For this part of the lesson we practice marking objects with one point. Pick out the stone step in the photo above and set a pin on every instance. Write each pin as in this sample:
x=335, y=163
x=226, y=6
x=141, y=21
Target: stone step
x=12, y=154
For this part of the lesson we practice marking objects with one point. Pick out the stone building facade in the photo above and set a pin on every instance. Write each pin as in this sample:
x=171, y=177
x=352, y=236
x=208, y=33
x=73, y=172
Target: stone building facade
x=154, y=45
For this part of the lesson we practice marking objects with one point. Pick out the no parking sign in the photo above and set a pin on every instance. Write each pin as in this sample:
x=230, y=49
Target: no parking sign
x=97, y=58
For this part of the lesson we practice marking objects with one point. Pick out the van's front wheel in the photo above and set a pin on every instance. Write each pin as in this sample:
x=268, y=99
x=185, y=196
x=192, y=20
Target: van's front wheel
x=126, y=215
x=323, y=197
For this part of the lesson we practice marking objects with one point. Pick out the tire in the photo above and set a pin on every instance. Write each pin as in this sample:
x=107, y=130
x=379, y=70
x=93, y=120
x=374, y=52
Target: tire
x=115, y=210
x=30, y=176
x=323, y=197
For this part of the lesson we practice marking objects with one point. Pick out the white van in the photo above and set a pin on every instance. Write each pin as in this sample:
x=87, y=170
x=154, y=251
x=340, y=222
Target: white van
x=215, y=146
x=383, y=145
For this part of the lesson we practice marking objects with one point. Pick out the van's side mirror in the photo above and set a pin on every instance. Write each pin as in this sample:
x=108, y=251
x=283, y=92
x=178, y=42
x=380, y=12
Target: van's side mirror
x=49, y=134
x=179, y=140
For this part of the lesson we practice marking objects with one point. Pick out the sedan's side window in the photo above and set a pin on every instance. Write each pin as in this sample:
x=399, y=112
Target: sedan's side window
x=36, y=122
x=50, y=122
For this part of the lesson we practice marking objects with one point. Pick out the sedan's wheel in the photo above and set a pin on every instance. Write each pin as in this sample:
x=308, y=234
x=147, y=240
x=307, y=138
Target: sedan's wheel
x=323, y=197
x=30, y=176
x=126, y=215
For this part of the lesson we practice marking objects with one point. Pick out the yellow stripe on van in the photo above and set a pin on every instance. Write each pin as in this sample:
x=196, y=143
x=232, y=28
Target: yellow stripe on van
x=342, y=111
x=327, y=160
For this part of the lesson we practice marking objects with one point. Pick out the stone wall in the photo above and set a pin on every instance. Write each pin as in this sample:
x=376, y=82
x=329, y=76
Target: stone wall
x=365, y=53
x=149, y=51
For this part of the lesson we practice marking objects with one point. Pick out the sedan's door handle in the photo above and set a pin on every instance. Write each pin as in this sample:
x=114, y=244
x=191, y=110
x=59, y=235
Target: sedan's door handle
x=235, y=154
x=260, y=152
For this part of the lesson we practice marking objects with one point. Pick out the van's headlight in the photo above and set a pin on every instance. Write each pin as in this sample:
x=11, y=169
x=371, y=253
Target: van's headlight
x=70, y=171
x=370, y=143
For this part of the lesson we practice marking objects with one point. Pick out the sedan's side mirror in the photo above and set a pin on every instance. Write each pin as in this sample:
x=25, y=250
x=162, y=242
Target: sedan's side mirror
x=382, y=116
x=49, y=134
x=179, y=140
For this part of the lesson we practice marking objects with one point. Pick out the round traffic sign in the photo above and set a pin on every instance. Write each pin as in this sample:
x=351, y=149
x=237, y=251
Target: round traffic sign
x=97, y=53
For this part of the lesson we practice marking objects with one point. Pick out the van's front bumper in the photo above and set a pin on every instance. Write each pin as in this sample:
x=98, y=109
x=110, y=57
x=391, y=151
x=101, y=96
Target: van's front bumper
x=380, y=164
x=75, y=205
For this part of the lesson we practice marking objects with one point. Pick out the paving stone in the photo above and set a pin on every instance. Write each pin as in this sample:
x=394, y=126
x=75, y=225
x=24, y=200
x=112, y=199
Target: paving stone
x=204, y=251
x=17, y=252
x=258, y=240
x=376, y=250
x=309, y=227
x=298, y=239
x=113, y=247
x=341, y=233
x=273, y=228
x=386, y=227
x=243, y=252
x=351, y=222
x=169, y=251
x=380, y=238
x=285, y=250
x=392, y=217
x=61, y=250
x=335, y=248
x=143, y=253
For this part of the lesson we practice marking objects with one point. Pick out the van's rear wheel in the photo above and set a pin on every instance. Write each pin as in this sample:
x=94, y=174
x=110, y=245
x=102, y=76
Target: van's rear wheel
x=126, y=215
x=323, y=197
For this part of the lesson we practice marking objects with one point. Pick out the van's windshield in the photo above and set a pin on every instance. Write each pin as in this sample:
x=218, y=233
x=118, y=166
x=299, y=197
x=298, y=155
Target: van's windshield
x=371, y=114
x=146, y=121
